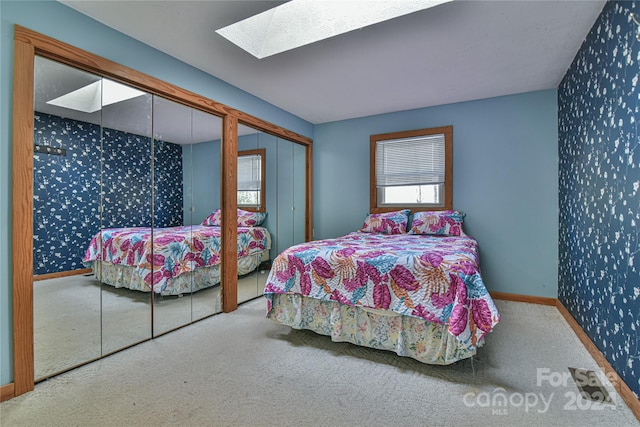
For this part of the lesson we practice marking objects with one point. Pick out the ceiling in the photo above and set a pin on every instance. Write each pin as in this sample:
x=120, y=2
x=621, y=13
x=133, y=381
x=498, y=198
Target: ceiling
x=459, y=51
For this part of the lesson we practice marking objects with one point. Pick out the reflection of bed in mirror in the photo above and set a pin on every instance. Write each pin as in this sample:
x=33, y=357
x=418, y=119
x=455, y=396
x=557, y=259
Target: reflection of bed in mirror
x=181, y=259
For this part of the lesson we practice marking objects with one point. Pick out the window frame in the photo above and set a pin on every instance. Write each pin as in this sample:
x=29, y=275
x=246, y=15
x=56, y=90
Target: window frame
x=448, y=159
x=262, y=152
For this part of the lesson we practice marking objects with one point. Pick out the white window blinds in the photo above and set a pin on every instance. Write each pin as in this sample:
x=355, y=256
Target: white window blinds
x=411, y=161
x=249, y=173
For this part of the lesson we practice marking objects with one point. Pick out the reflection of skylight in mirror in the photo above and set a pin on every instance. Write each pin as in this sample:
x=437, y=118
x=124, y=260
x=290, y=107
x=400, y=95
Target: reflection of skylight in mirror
x=90, y=99
x=86, y=99
x=301, y=22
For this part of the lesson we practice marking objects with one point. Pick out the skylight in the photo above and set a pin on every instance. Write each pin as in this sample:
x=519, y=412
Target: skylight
x=94, y=96
x=301, y=22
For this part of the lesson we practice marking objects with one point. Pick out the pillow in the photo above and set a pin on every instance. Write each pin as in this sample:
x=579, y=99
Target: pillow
x=441, y=223
x=245, y=218
x=250, y=219
x=387, y=223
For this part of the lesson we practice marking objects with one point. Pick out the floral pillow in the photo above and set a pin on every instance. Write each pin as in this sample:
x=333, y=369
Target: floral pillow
x=250, y=219
x=441, y=223
x=387, y=223
x=245, y=218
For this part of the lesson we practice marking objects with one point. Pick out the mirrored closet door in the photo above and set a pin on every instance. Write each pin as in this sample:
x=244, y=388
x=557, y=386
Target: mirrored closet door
x=271, y=184
x=103, y=175
x=291, y=193
x=123, y=183
x=66, y=215
x=126, y=215
x=172, y=236
x=255, y=237
x=202, y=170
x=186, y=248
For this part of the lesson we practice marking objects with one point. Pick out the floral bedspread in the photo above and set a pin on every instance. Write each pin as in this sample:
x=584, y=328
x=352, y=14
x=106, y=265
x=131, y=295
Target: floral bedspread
x=175, y=250
x=436, y=278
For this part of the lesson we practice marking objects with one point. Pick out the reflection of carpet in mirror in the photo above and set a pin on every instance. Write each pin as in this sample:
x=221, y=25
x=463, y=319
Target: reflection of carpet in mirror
x=251, y=285
x=66, y=323
x=70, y=328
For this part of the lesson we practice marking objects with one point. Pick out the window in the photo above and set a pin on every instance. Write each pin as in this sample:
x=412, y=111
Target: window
x=412, y=169
x=251, y=174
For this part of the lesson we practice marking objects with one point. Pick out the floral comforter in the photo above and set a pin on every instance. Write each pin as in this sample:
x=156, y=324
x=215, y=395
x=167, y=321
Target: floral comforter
x=436, y=278
x=175, y=250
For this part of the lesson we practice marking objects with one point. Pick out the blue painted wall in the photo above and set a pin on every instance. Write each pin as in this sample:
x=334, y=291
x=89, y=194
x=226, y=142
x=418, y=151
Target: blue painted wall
x=599, y=148
x=505, y=178
x=202, y=179
x=60, y=22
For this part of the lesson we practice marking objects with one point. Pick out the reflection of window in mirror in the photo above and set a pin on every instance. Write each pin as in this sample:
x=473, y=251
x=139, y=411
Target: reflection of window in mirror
x=251, y=178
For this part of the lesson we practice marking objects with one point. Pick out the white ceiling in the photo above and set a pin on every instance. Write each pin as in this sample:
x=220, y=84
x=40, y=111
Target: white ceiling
x=458, y=51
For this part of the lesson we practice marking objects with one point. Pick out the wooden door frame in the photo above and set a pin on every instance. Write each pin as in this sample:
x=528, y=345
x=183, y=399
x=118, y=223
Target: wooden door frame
x=28, y=44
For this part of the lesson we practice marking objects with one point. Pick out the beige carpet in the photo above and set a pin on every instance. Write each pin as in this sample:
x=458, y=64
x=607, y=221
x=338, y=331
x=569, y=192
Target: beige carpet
x=240, y=369
x=77, y=320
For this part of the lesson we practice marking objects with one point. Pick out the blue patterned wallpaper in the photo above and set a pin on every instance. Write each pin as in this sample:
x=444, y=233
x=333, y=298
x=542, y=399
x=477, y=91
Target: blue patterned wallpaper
x=599, y=199
x=67, y=188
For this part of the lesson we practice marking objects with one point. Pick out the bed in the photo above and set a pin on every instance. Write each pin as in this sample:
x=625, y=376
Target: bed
x=419, y=294
x=181, y=260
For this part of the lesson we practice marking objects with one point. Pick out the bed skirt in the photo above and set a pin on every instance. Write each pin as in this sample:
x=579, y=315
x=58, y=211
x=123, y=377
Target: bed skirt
x=122, y=276
x=406, y=336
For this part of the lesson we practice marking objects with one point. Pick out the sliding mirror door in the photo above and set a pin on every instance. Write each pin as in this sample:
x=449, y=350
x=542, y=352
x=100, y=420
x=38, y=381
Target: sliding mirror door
x=186, y=253
x=123, y=181
x=173, y=250
x=299, y=171
x=66, y=215
x=254, y=234
x=272, y=183
x=126, y=216
x=93, y=174
x=291, y=193
x=203, y=168
x=90, y=170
